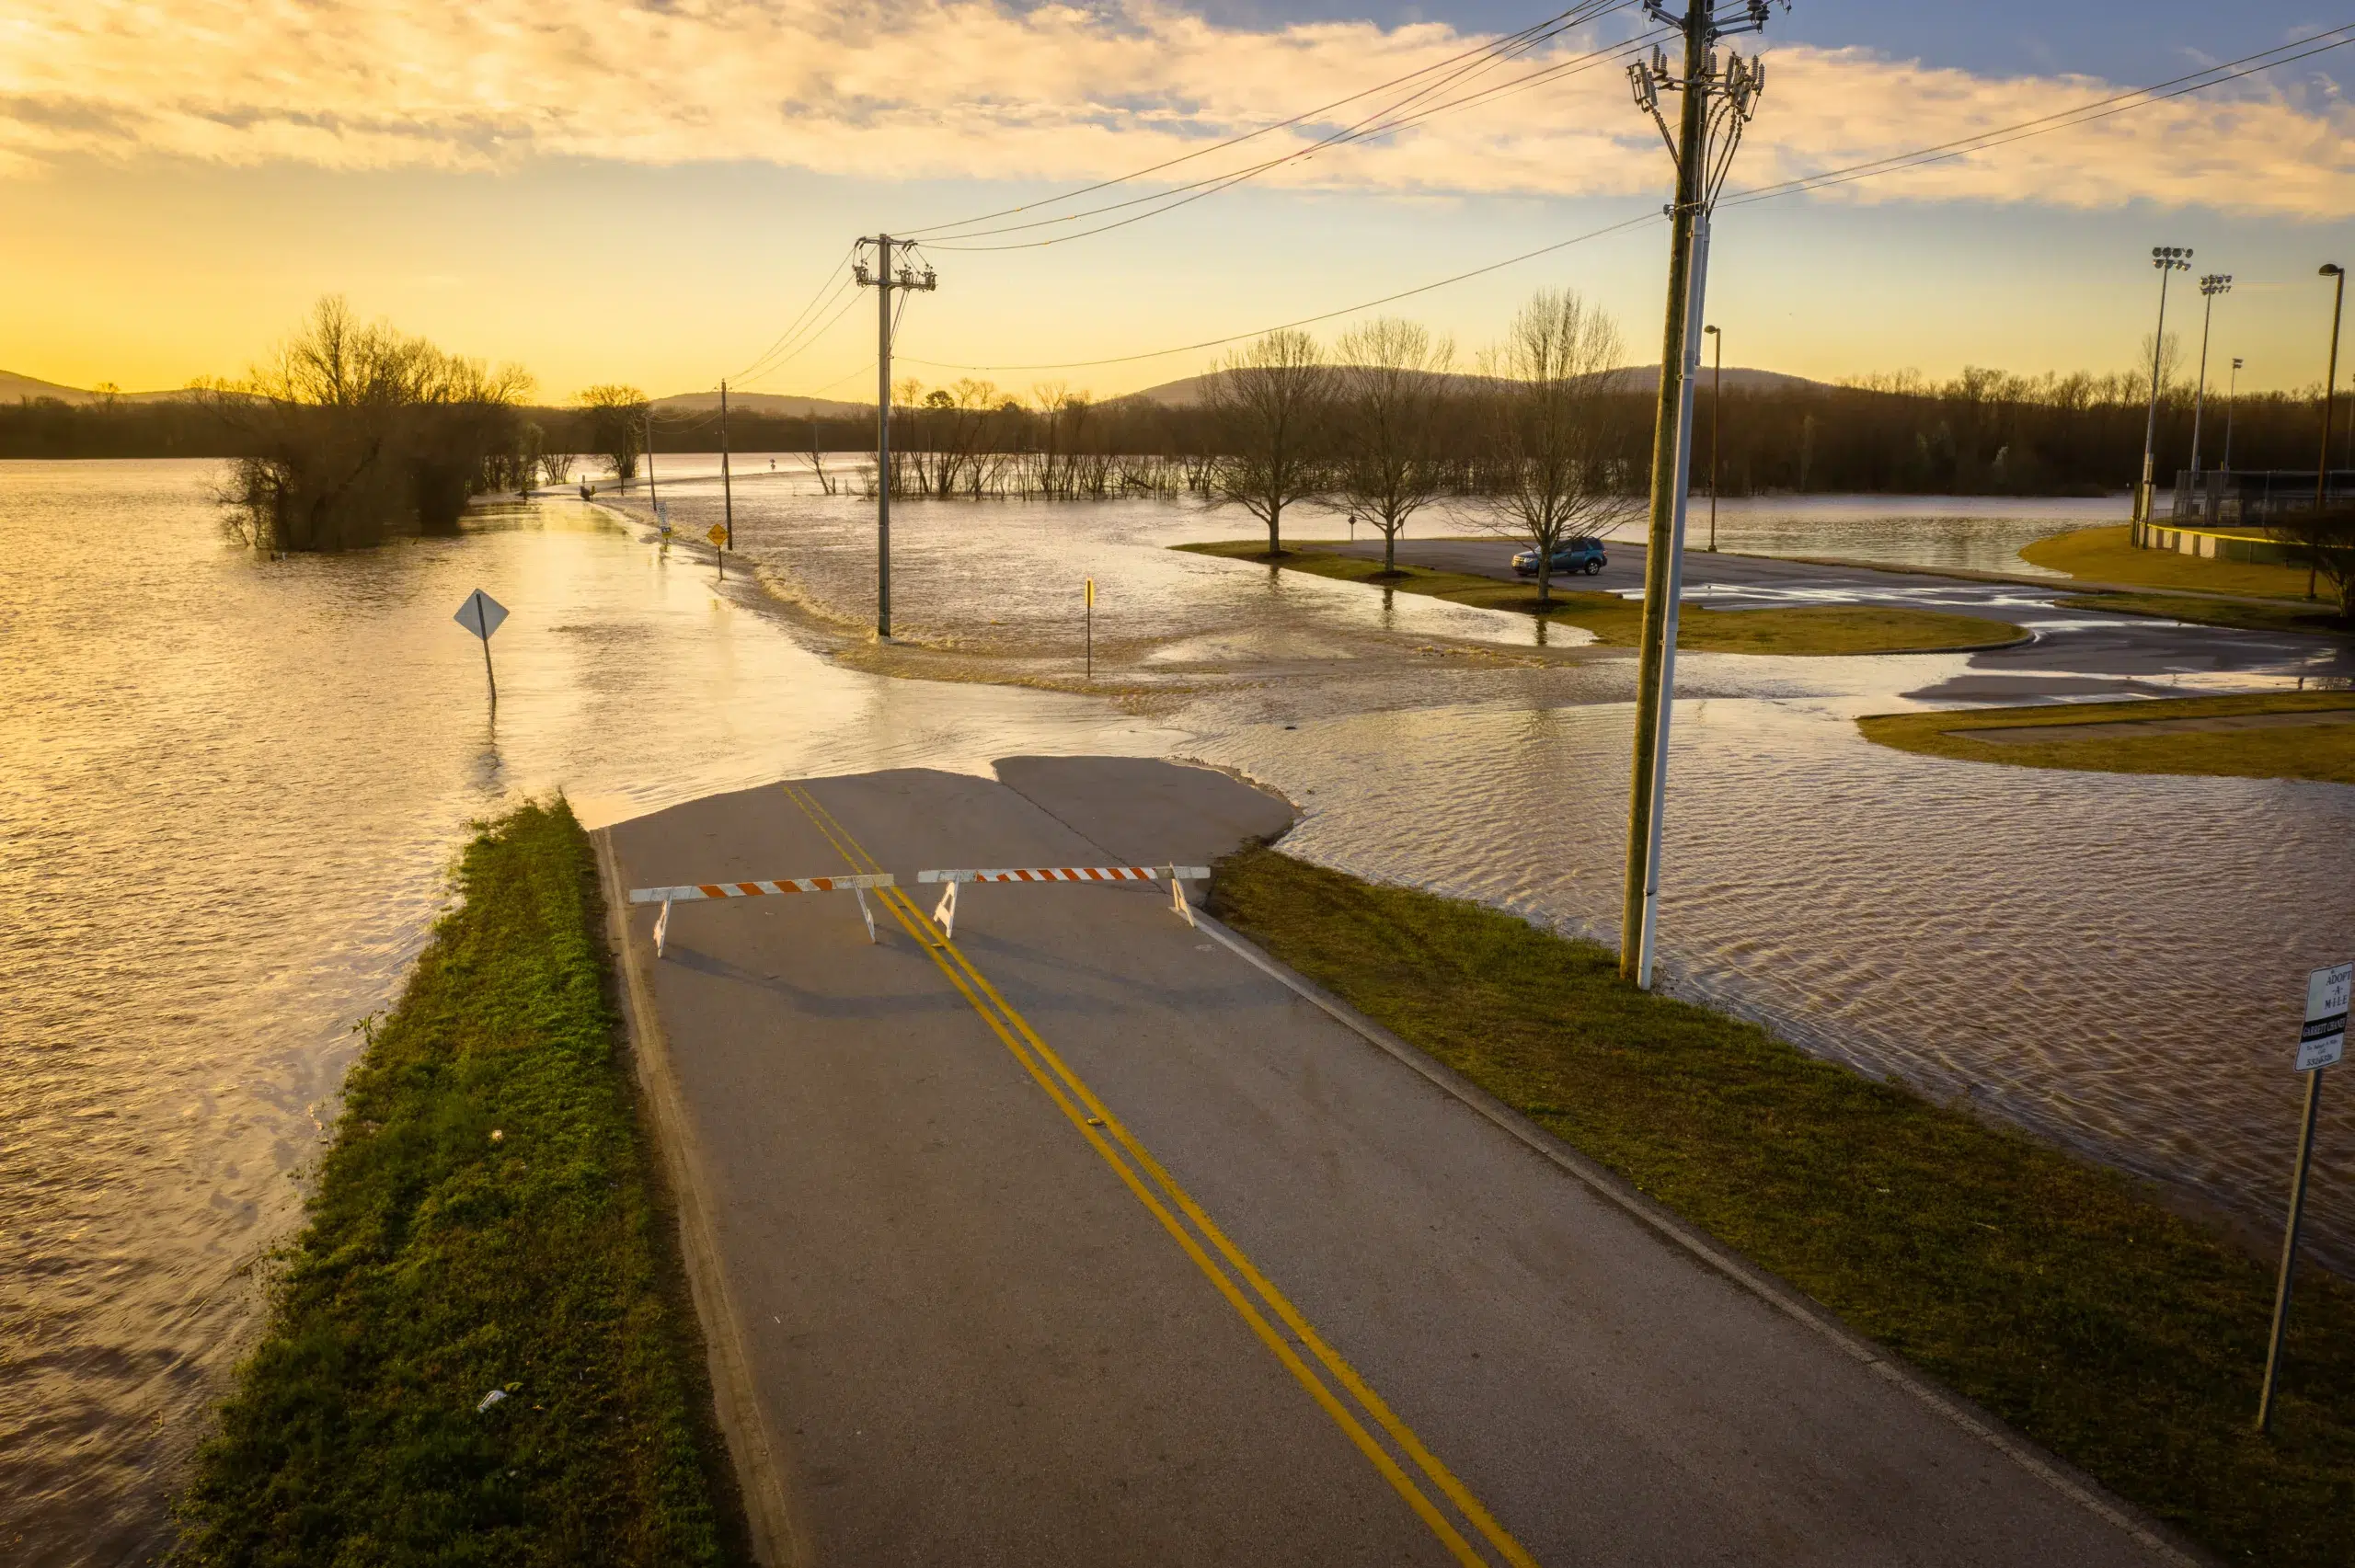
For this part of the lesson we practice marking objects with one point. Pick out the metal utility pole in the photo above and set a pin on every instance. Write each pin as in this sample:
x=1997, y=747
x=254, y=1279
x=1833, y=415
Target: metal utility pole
x=1717, y=411
x=1719, y=99
x=726, y=491
x=883, y=280
x=2337, y=274
x=2168, y=260
x=2210, y=287
x=2232, y=397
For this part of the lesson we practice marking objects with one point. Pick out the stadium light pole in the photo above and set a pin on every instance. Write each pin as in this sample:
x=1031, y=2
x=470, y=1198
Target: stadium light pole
x=2232, y=397
x=2337, y=275
x=2210, y=287
x=2168, y=260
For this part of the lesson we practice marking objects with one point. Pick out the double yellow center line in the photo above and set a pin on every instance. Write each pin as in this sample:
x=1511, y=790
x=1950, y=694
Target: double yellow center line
x=1248, y=1292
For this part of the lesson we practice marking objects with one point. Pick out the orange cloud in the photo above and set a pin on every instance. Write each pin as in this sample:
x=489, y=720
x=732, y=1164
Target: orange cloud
x=952, y=88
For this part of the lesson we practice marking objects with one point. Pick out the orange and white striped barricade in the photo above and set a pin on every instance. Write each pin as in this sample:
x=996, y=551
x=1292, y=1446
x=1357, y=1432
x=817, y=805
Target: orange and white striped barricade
x=945, y=916
x=694, y=891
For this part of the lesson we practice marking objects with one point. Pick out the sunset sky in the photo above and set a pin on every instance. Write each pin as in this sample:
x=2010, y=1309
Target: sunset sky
x=650, y=192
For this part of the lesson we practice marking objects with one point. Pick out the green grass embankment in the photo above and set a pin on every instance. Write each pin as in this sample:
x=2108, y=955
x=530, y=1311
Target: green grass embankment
x=2105, y=555
x=2111, y=739
x=2056, y=1293
x=490, y=1217
x=1799, y=630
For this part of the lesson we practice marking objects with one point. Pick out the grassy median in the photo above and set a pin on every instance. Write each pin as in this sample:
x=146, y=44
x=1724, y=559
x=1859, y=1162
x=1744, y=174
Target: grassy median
x=2126, y=738
x=488, y=1218
x=2307, y=620
x=2057, y=1294
x=1803, y=630
x=2107, y=555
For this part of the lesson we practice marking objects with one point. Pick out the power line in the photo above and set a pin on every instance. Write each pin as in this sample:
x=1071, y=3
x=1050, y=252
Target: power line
x=1637, y=222
x=2119, y=103
x=1381, y=123
x=1595, y=14
x=2062, y=120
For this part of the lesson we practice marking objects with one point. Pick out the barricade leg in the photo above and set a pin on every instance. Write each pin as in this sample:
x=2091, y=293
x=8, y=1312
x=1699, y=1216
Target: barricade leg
x=661, y=927
x=867, y=913
x=1185, y=911
x=945, y=917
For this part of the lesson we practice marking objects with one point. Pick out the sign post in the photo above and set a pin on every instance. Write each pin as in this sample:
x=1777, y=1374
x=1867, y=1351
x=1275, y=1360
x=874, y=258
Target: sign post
x=718, y=537
x=2320, y=1045
x=1091, y=631
x=482, y=614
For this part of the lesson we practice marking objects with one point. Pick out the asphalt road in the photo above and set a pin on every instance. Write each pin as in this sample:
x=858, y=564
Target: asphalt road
x=2122, y=654
x=1087, y=1240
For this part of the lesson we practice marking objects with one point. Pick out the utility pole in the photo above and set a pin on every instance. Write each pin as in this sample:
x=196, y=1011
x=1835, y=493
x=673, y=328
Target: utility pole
x=2214, y=283
x=2168, y=260
x=883, y=280
x=2232, y=397
x=726, y=491
x=653, y=497
x=1718, y=101
x=2337, y=274
x=1717, y=410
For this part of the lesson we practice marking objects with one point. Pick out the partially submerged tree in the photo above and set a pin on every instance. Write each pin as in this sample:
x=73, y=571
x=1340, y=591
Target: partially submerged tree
x=616, y=426
x=1559, y=473
x=1271, y=404
x=357, y=431
x=1391, y=385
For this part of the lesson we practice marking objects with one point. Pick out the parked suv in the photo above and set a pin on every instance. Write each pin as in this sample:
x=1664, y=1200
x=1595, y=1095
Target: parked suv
x=1570, y=555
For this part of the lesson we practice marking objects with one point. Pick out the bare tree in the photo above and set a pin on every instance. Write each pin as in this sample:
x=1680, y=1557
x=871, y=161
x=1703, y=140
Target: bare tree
x=1391, y=383
x=2324, y=541
x=1271, y=404
x=353, y=431
x=616, y=426
x=1559, y=474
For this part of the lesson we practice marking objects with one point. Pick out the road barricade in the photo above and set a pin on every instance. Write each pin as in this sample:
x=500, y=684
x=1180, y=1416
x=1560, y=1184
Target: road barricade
x=945, y=916
x=695, y=891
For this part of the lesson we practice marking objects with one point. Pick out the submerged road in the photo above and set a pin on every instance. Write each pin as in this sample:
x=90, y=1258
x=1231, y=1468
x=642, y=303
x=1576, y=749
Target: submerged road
x=1089, y=1239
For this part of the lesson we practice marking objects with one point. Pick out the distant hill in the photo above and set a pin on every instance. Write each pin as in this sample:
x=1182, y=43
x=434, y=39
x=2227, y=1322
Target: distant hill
x=776, y=405
x=15, y=388
x=1188, y=392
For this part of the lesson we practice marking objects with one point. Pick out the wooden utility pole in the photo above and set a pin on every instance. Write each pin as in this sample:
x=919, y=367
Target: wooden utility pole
x=727, y=490
x=1717, y=102
x=883, y=281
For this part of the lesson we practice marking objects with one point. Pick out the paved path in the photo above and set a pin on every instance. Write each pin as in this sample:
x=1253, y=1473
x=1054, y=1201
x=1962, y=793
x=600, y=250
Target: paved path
x=1088, y=1241
x=2125, y=653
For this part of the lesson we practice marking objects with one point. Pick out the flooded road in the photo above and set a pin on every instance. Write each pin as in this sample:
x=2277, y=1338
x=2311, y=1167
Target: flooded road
x=232, y=787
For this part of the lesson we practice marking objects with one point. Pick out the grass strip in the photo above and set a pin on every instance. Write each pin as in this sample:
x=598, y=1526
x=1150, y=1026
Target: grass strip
x=2320, y=752
x=1794, y=630
x=2105, y=555
x=2056, y=1293
x=490, y=1217
x=2301, y=618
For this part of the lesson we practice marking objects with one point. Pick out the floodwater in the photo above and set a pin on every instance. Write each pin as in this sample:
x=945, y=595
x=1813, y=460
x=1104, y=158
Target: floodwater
x=232, y=788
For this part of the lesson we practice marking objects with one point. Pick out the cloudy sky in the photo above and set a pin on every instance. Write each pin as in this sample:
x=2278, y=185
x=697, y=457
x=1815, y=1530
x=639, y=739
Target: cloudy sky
x=651, y=192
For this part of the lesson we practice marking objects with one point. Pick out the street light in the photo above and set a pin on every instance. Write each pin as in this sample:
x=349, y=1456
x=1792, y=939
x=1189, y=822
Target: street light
x=2167, y=259
x=2210, y=287
x=2231, y=395
x=1717, y=403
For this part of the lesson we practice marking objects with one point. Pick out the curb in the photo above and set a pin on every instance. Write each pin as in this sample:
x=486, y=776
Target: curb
x=2055, y=1473
x=751, y=1447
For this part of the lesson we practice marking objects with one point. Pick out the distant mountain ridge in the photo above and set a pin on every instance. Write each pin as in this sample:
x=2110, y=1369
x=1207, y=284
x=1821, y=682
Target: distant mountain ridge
x=773, y=405
x=16, y=388
x=1188, y=392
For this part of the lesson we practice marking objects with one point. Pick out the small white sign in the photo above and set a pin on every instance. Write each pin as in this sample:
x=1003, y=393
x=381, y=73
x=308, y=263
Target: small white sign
x=2324, y=1039
x=481, y=615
